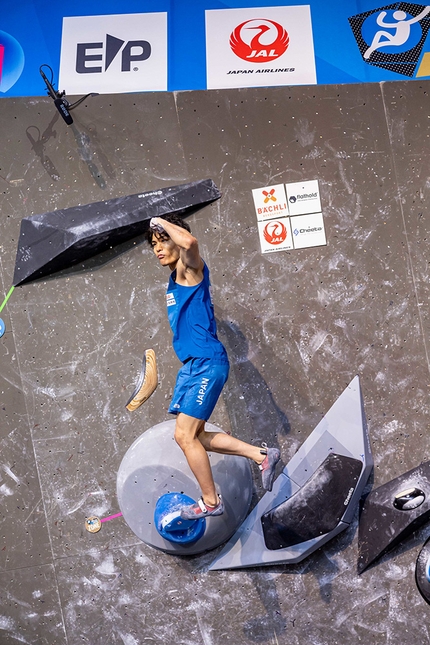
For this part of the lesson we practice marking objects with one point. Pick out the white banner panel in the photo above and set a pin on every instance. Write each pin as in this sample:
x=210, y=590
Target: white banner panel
x=114, y=53
x=308, y=230
x=275, y=235
x=270, y=202
x=259, y=47
x=303, y=197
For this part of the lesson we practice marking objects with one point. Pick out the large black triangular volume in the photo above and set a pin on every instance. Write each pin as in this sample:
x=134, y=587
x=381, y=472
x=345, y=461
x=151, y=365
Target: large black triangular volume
x=60, y=239
x=316, y=508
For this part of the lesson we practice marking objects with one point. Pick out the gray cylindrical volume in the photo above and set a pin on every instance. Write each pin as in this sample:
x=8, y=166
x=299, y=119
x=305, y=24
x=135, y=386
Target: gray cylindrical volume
x=155, y=465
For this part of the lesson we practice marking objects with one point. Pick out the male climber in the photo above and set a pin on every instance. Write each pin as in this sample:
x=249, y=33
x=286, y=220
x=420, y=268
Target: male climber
x=205, y=364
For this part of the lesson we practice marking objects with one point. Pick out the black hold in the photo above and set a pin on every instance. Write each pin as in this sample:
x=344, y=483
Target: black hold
x=317, y=507
x=408, y=499
x=392, y=512
x=60, y=239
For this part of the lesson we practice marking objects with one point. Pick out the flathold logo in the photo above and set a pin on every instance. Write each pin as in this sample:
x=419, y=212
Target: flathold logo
x=275, y=232
x=259, y=41
x=11, y=61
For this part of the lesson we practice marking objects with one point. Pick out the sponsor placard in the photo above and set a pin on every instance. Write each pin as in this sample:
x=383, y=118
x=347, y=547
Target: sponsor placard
x=270, y=202
x=308, y=230
x=275, y=235
x=259, y=47
x=303, y=197
x=393, y=36
x=114, y=53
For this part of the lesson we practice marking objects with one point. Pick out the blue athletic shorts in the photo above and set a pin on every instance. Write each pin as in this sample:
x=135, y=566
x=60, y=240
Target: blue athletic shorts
x=198, y=387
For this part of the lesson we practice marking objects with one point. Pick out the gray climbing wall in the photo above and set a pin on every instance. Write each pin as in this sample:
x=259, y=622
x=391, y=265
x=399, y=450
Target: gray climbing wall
x=298, y=326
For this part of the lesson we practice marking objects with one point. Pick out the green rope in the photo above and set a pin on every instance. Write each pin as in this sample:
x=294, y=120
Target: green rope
x=6, y=299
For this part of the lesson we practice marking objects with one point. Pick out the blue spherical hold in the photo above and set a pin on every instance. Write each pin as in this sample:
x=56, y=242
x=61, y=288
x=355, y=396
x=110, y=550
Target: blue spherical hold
x=170, y=525
x=2, y=327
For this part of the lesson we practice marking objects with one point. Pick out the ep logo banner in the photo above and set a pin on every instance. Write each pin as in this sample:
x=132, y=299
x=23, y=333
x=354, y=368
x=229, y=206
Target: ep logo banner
x=114, y=53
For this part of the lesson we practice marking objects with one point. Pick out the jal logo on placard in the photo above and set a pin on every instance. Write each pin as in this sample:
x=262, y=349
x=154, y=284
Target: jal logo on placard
x=11, y=61
x=259, y=41
x=275, y=232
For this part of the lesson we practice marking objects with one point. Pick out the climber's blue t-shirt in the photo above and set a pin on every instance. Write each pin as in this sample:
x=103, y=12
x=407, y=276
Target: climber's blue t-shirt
x=191, y=317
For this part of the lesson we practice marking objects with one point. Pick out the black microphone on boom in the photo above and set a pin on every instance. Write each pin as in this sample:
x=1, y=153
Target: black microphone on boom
x=62, y=105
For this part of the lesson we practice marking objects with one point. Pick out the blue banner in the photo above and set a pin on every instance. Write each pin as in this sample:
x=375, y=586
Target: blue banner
x=348, y=42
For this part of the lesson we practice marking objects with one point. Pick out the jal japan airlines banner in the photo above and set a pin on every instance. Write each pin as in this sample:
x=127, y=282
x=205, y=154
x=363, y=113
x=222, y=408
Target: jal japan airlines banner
x=258, y=47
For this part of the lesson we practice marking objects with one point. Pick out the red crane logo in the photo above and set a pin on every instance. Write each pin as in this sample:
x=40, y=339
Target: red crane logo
x=275, y=232
x=269, y=43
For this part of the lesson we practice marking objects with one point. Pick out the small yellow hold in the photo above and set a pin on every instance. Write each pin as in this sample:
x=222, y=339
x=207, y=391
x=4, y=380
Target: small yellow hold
x=93, y=524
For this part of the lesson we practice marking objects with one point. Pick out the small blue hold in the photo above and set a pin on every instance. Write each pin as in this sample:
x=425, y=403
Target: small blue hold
x=2, y=327
x=169, y=523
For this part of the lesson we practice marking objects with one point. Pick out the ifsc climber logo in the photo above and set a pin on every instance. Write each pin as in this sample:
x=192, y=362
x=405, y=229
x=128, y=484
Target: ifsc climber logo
x=259, y=41
x=393, y=37
x=11, y=61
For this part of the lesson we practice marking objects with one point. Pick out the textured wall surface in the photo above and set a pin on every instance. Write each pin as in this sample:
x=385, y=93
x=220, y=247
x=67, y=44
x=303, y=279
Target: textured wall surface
x=298, y=326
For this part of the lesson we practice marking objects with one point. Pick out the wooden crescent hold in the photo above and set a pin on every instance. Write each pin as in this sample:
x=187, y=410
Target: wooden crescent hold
x=147, y=383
